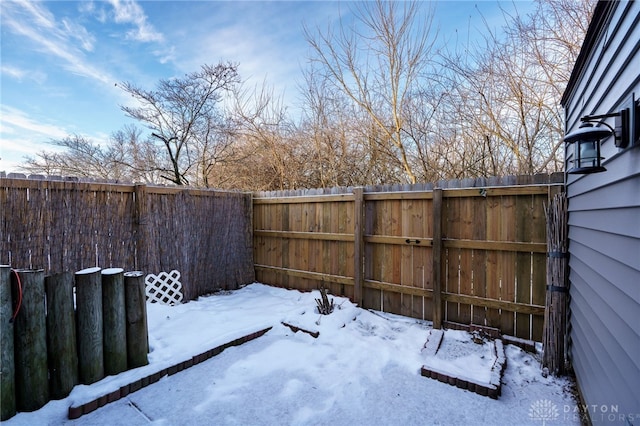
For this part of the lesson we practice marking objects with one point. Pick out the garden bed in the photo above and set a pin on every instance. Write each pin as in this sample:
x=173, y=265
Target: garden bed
x=471, y=361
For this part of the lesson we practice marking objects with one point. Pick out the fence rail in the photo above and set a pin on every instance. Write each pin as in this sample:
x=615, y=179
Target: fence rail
x=463, y=255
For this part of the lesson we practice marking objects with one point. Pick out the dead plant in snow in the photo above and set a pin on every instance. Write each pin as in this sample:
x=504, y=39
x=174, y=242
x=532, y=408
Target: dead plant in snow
x=325, y=307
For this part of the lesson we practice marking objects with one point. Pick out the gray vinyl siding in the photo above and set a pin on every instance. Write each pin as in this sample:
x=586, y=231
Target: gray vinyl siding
x=604, y=227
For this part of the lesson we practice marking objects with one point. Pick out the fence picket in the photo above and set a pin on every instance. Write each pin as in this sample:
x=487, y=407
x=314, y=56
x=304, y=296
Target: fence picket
x=479, y=262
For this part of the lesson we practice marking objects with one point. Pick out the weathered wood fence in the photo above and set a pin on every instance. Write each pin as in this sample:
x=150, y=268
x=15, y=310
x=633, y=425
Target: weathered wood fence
x=54, y=338
x=468, y=252
x=65, y=225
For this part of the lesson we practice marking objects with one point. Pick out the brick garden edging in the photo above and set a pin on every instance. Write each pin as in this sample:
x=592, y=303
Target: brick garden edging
x=492, y=389
x=295, y=329
x=86, y=408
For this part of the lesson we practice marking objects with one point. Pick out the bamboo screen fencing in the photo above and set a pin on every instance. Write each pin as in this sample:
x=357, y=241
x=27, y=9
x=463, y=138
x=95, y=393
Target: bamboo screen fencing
x=467, y=252
x=68, y=226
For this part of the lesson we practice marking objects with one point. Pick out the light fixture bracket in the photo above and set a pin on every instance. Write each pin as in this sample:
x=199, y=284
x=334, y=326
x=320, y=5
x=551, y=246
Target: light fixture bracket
x=620, y=130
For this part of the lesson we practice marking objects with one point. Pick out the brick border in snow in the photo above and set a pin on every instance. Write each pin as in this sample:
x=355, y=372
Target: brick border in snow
x=492, y=389
x=295, y=329
x=75, y=411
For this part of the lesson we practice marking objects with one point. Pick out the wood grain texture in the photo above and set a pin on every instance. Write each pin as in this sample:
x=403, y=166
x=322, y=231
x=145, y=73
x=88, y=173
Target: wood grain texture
x=32, y=374
x=136, y=320
x=61, y=335
x=7, y=360
x=89, y=325
x=114, y=321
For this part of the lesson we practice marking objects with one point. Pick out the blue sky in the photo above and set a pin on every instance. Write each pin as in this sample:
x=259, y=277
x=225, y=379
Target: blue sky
x=60, y=61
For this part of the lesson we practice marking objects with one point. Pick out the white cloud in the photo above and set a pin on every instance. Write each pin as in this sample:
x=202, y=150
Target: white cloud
x=165, y=55
x=80, y=33
x=22, y=136
x=15, y=121
x=13, y=72
x=37, y=24
x=41, y=16
x=21, y=74
x=130, y=12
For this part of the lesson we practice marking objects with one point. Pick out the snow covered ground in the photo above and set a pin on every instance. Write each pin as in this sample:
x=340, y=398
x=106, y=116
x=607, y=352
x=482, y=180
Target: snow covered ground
x=363, y=369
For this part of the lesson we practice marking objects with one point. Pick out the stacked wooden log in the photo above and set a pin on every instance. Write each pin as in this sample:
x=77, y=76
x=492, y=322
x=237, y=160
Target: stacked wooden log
x=53, y=339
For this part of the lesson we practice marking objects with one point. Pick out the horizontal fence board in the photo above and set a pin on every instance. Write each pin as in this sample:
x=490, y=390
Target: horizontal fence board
x=447, y=242
x=325, y=236
x=495, y=304
x=397, y=288
x=400, y=195
x=399, y=240
x=304, y=199
x=318, y=276
x=512, y=246
x=496, y=191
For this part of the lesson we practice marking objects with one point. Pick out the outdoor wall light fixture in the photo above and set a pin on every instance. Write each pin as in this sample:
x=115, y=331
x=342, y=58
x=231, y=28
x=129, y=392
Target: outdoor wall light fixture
x=586, y=140
x=586, y=148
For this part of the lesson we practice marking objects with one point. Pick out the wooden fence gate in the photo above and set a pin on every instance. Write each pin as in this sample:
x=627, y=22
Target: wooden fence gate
x=473, y=255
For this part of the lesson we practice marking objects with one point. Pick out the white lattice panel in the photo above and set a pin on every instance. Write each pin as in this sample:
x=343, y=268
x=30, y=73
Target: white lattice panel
x=164, y=288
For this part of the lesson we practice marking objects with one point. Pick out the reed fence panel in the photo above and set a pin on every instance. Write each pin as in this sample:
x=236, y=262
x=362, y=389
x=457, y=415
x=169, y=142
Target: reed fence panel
x=488, y=236
x=63, y=225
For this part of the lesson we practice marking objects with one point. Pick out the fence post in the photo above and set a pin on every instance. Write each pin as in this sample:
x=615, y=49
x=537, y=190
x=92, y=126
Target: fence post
x=7, y=362
x=32, y=374
x=90, y=331
x=61, y=335
x=137, y=334
x=437, y=256
x=358, y=240
x=114, y=321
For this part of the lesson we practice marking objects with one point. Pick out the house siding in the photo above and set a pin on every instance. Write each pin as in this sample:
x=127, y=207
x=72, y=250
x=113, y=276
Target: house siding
x=604, y=224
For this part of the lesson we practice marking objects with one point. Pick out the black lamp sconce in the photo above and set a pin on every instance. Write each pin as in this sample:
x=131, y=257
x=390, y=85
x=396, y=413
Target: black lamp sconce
x=586, y=140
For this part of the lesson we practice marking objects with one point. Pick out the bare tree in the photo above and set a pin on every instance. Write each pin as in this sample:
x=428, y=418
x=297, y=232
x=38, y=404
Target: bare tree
x=124, y=157
x=139, y=156
x=508, y=89
x=378, y=63
x=330, y=128
x=265, y=158
x=184, y=117
x=82, y=158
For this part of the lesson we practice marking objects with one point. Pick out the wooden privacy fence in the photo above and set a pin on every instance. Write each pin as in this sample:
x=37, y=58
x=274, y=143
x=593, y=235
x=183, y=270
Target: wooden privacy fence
x=474, y=255
x=65, y=225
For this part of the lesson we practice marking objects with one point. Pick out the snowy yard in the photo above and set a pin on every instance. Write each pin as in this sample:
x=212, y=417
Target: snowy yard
x=363, y=369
